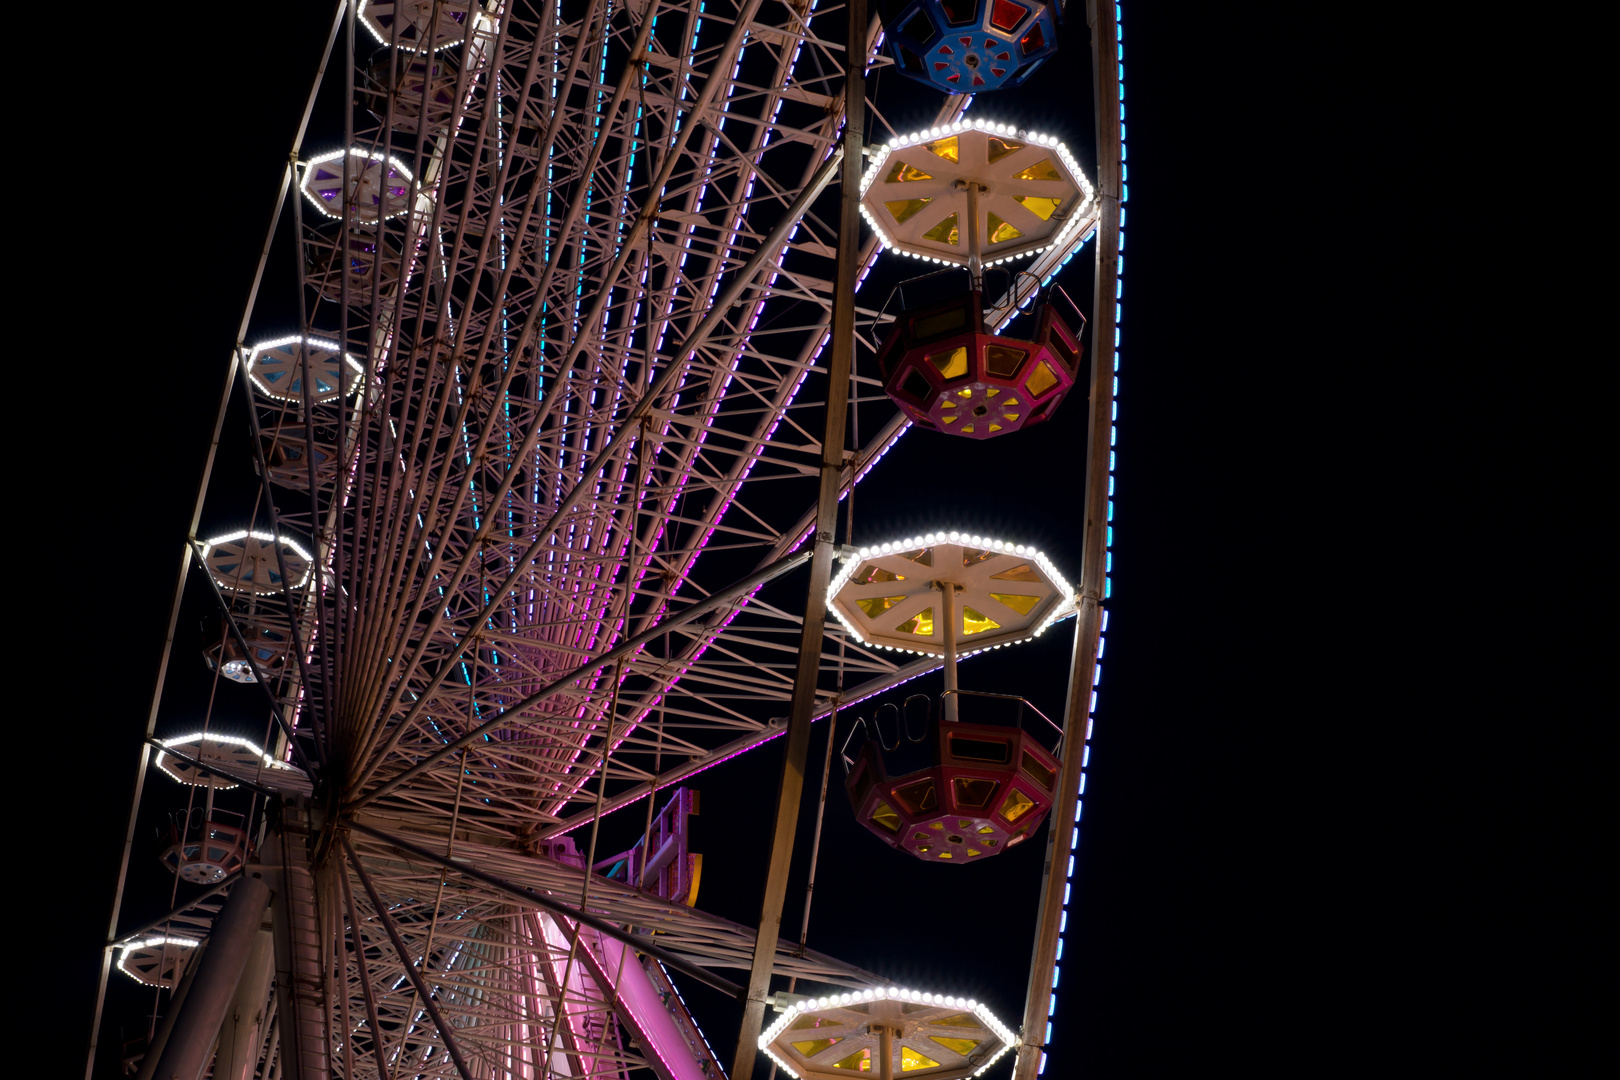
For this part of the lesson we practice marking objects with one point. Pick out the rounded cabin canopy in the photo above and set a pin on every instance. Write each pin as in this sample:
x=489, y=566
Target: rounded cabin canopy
x=246, y=561
x=380, y=185
x=228, y=759
x=277, y=369
x=890, y=594
x=1031, y=193
x=421, y=25
x=156, y=960
x=932, y=1036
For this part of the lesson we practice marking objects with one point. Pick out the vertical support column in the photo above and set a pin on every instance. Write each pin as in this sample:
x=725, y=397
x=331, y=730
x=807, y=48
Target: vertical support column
x=230, y=945
x=1040, y=997
x=297, y=935
x=841, y=355
x=242, y=1035
x=177, y=1001
x=947, y=613
x=886, y=1049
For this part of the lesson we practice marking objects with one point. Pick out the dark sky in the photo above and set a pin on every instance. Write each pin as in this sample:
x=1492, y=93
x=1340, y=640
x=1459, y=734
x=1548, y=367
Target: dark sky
x=1220, y=891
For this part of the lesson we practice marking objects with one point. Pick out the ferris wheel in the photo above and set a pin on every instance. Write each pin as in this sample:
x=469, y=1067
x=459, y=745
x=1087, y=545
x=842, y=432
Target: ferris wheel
x=603, y=310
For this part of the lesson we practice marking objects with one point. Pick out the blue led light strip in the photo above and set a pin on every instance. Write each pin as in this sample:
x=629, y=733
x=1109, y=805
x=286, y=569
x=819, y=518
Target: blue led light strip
x=1108, y=565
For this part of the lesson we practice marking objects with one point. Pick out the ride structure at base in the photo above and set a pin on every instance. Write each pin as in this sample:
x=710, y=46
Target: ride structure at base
x=970, y=46
x=976, y=194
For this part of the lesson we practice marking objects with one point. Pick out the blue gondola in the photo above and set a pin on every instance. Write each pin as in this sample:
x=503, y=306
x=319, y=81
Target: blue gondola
x=970, y=46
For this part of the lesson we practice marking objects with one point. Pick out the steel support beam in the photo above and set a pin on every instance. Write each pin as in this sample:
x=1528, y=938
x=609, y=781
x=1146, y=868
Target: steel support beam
x=714, y=602
x=242, y=1035
x=1094, y=552
x=446, y=1032
x=790, y=788
x=153, y=924
x=736, y=746
x=231, y=944
x=177, y=1002
x=540, y=900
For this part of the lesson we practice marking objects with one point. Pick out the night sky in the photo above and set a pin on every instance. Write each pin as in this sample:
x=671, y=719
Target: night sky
x=1212, y=924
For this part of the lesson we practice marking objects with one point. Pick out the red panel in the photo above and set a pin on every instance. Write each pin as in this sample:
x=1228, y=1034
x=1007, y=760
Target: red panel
x=1006, y=15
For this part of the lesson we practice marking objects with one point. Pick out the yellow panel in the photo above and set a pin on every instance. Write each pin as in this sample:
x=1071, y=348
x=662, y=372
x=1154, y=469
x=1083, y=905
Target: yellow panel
x=859, y=1061
x=963, y=823
x=885, y=816
x=920, y=836
x=816, y=1046
x=950, y=419
x=877, y=605
x=1021, y=572
x=967, y=427
x=1017, y=601
x=945, y=855
x=973, y=791
x=1042, y=380
x=1016, y=805
x=809, y=1021
x=959, y=1020
x=921, y=556
x=946, y=148
x=965, y=392
x=902, y=172
x=871, y=574
x=1000, y=231
x=999, y=148
x=905, y=209
x=976, y=555
x=1009, y=403
x=953, y=318
x=947, y=404
x=944, y=232
x=1011, y=417
x=910, y=1059
x=919, y=796
x=940, y=825
x=697, y=878
x=1037, y=771
x=1002, y=361
x=950, y=363
x=970, y=851
x=1040, y=206
x=1042, y=170
x=994, y=426
x=987, y=828
x=991, y=391
x=961, y=1046
x=921, y=624
x=975, y=622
